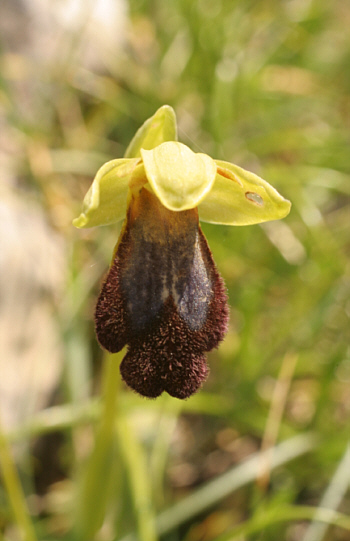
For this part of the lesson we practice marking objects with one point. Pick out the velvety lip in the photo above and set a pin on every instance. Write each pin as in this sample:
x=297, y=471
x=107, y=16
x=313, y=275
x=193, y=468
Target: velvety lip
x=164, y=298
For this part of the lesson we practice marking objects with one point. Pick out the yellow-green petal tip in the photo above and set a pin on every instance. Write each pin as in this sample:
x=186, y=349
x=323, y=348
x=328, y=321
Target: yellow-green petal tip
x=158, y=129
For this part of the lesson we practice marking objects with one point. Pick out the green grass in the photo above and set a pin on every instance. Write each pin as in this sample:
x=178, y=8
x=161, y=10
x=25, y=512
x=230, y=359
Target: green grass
x=262, y=84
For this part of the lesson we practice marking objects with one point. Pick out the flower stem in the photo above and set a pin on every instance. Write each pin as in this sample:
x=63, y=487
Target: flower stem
x=14, y=490
x=94, y=487
x=139, y=480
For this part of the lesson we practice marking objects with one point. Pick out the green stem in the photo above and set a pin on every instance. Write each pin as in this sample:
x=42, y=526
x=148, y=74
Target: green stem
x=95, y=484
x=214, y=491
x=287, y=514
x=139, y=480
x=56, y=418
x=14, y=490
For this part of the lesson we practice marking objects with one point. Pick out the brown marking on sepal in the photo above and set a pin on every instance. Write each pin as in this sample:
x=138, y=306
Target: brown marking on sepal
x=228, y=174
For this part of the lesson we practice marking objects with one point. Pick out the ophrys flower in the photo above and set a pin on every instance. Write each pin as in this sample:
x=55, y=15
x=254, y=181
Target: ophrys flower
x=163, y=296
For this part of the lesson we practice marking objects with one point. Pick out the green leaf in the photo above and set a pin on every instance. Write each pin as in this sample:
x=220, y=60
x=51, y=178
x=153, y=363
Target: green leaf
x=179, y=177
x=106, y=200
x=239, y=197
x=161, y=127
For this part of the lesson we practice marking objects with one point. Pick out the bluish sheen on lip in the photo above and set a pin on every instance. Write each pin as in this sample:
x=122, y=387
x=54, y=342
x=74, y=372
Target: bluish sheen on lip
x=164, y=260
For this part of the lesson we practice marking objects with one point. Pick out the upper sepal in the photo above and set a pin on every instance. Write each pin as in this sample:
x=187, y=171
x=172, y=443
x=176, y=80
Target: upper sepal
x=158, y=129
x=239, y=197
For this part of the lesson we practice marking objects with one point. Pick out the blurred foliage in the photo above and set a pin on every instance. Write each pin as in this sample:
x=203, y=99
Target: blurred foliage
x=265, y=85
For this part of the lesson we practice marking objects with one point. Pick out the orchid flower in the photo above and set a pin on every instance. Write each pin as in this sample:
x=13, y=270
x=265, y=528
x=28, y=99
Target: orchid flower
x=163, y=296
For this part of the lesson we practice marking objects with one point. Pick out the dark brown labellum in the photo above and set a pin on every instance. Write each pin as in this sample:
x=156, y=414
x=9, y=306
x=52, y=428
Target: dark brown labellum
x=164, y=298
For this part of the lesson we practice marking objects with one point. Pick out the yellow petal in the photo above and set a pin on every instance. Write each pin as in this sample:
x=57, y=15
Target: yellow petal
x=239, y=197
x=178, y=177
x=159, y=128
x=106, y=200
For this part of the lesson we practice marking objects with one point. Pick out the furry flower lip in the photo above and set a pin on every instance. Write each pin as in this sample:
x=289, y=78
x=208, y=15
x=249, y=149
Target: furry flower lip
x=163, y=296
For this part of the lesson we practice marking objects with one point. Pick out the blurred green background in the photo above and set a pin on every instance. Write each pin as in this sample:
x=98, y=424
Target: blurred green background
x=265, y=85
